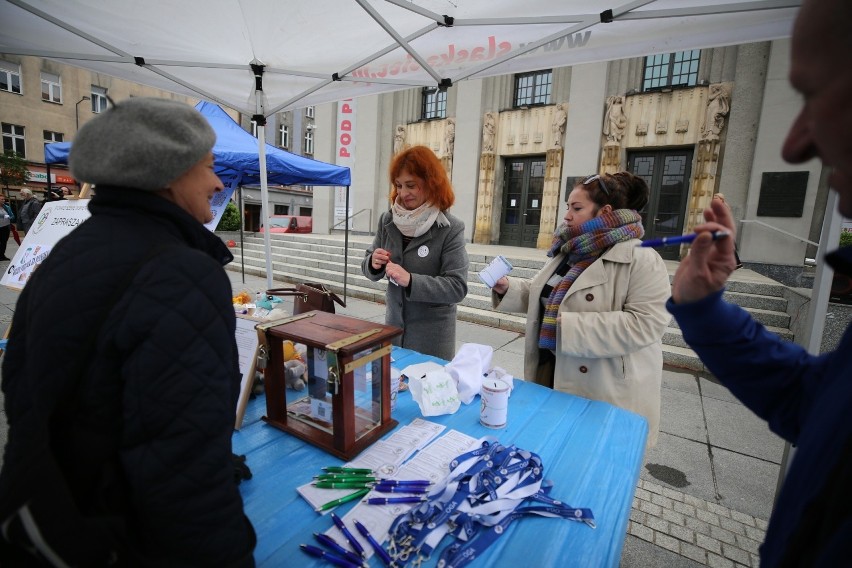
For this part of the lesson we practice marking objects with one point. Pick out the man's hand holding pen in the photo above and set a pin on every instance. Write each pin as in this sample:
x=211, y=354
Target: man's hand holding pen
x=710, y=261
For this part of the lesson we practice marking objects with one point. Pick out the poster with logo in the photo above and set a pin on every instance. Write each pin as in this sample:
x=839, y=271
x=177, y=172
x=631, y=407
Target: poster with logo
x=55, y=220
x=345, y=157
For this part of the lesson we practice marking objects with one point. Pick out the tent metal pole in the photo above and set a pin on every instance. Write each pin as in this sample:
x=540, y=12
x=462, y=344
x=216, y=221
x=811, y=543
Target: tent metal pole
x=828, y=240
x=815, y=324
x=346, y=245
x=260, y=120
x=264, y=205
x=242, y=240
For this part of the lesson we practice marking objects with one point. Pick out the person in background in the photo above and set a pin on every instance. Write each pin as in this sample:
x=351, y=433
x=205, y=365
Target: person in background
x=64, y=192
x=596, y=311
x=805, y=398
x=14, y=230
x=28, y=210
x=7, y=217
x=419, y=246
x=138, y=387
x=721, y=197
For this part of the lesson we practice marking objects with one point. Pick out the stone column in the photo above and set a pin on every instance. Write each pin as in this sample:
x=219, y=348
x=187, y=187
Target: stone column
x=485, y=199
x=703, y=182
x=485, y=193
x=611, y=158
x=550, y=198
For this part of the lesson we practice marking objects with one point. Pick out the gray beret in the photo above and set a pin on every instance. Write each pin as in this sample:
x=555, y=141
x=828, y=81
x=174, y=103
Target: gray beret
x=144, y=143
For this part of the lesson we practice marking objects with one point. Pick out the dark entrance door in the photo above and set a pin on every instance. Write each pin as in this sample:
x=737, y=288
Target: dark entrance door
x=523, y=187
x=667, y=173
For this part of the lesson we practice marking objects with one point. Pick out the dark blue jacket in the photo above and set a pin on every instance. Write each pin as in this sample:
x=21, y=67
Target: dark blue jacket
x=150, y=436
x=807, y=400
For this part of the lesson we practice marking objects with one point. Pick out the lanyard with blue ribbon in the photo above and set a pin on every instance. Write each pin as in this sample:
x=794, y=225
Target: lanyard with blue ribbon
x=475, y=504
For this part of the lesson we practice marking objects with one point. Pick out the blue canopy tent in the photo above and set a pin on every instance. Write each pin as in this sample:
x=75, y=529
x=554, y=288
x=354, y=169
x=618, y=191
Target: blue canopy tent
x=237, y=162
x=236, y=156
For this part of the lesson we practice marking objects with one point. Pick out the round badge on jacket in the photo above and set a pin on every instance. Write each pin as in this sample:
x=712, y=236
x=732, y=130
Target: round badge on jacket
x=423, y=251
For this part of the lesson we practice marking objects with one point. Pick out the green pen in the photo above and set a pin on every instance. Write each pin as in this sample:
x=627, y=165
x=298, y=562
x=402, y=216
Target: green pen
x=339, y=469
x=344, y=477
x=341, y=484
x=344, y=499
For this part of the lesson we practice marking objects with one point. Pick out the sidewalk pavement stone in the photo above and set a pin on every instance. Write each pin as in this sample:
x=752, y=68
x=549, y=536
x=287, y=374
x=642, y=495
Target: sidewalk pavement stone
x=732, y=525
x=667, y=542
x=694, y=553
x=715, y=561
x=705, y=532
x=641, y=531
x=707, y=516
x=709, y=543
x=742, y=518
x=721, y=534
x=735, y=554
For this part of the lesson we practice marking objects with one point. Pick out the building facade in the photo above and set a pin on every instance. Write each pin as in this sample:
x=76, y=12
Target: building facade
x=691, y=123
x=42, y=101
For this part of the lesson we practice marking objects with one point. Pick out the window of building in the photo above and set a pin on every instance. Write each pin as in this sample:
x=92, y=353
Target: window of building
x=99, y=99
x=285, y=136
x=50, y=136
x=10, y=77
x=309, y=142
x=13, y=139
x=51, y=87
x=666, y=70
x=434, y=103
x=309, y=112
x=533, y=88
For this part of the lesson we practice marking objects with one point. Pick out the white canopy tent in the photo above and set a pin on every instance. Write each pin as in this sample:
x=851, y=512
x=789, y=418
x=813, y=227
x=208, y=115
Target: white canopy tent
x=318, y=51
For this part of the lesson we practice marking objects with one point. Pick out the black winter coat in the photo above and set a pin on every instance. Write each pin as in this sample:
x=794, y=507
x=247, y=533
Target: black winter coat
x=150, y=438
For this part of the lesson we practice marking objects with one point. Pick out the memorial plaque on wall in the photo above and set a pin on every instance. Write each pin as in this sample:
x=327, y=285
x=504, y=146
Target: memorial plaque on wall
x=782, y=194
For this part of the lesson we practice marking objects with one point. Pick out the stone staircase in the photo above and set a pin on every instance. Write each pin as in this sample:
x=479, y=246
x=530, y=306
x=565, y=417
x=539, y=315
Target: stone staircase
x=319, y=258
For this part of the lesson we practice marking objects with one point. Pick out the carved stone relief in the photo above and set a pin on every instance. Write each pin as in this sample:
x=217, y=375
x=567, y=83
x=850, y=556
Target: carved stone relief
x=718, y=107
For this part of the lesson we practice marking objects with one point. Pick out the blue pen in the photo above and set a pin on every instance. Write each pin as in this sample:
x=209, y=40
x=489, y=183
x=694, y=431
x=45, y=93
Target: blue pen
x=352, y=540
x=381, y=488
x=403, y=482
x=680, y=239
x=380, y=552
x=333, y=558
x=392, y=500
x=335, y=546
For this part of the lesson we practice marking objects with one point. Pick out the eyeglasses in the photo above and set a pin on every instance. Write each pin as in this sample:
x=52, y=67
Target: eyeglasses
x=600, y=181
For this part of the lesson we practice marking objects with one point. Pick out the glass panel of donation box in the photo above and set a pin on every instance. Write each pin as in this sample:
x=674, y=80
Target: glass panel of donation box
x=367, y=379
x=362, y=377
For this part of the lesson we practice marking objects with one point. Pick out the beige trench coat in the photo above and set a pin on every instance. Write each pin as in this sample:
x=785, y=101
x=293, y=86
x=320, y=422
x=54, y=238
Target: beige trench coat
x=609, y=341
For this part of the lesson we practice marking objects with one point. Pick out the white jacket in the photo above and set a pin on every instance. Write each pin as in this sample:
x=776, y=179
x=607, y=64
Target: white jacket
x=609, y=341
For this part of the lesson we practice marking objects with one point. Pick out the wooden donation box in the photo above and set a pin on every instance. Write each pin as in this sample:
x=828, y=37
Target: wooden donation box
x=347, y=403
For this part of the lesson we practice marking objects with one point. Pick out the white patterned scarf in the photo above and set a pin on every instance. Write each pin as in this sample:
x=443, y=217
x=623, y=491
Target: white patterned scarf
x=416, y=222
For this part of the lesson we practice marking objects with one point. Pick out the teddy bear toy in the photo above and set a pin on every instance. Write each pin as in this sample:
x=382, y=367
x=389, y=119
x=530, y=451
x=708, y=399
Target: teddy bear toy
x=295, y=374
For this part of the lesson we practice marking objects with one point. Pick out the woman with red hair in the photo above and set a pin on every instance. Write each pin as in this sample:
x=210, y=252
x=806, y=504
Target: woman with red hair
x=420, y=248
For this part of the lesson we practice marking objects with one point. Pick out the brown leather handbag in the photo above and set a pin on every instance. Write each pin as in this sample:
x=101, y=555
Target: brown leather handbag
x=309, y=296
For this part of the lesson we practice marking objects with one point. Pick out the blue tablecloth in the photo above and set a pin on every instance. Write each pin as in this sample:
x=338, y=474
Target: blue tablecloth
x=592, y=451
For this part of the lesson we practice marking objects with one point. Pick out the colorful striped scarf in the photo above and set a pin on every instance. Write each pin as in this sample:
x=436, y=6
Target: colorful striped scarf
x=583, y=245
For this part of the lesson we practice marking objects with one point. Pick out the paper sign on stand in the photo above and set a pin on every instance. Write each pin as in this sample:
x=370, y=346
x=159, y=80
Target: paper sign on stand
x=55, y=220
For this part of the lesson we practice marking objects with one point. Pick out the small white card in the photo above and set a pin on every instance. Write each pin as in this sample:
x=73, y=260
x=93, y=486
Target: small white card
x=496, y=269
